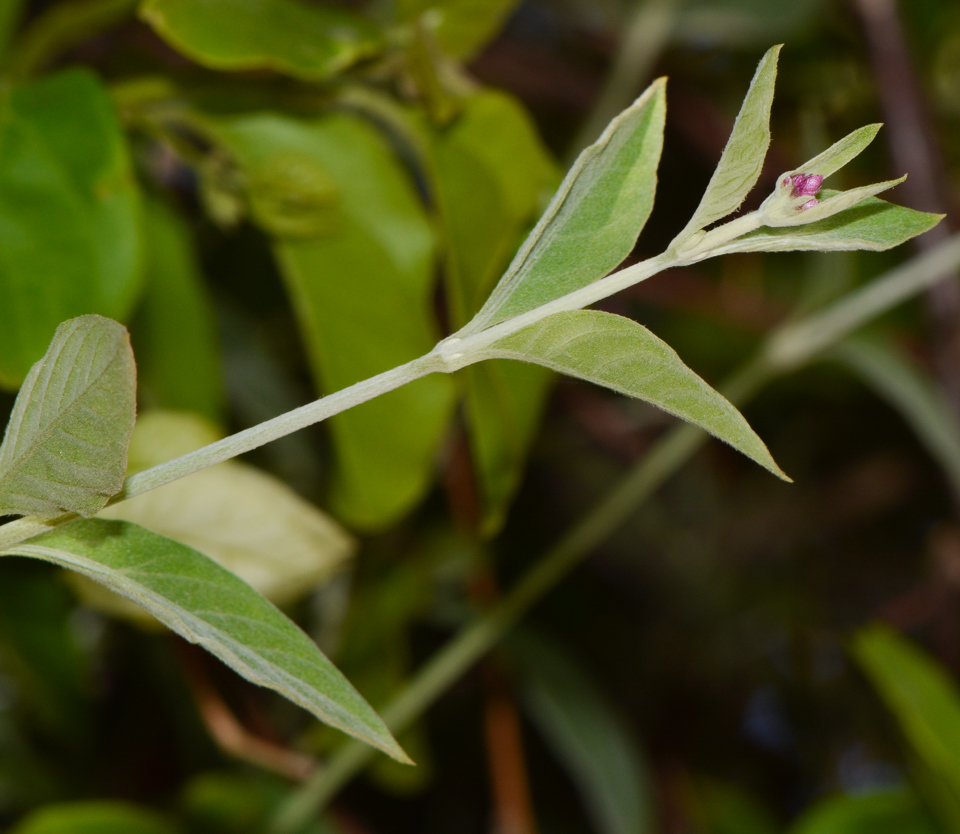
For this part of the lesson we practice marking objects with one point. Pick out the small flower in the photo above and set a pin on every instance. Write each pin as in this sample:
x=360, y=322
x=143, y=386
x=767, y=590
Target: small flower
x=804, y=185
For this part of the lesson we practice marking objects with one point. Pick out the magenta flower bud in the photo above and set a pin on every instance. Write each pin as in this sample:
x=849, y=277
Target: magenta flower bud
x=805, y=185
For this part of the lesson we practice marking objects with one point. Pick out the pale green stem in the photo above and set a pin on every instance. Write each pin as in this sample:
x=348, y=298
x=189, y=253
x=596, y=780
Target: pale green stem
x=475, y=640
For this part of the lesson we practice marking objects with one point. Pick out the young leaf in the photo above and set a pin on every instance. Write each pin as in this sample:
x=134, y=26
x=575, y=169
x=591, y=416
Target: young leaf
x=839, y=153
x=618, y=353
x=307, y=41
x=593, y=221
x=361, y=287
x=884, y=812
x=587, y=735
x=872, y=224
x=742, y=159
x=65, y=448
x=208, y=605
x=69, y=214
x=93, y=817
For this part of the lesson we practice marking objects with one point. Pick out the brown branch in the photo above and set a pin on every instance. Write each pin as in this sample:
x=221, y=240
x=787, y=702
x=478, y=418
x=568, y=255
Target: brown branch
x=227, y=731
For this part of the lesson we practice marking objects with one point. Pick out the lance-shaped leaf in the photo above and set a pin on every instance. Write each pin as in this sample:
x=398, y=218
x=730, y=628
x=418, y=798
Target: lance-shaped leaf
x=618, y=353
x=871, y=224
x=839, y=153
x=593, y=221
x=779, y=210
x=65, y=448
x=742, y=159
x=300, y=39
x=206, y=604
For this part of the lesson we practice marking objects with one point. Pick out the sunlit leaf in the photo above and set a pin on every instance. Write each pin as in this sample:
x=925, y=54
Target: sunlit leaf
x=742, y=159
x=618, y=353
x=69, y=215
x=208, y=605
x=884, y=812
x=587, y=735
x=593, y=221
x=348, y=284
x=93, y=818
x=65, y=447
x=305, y=40
x=181, y=372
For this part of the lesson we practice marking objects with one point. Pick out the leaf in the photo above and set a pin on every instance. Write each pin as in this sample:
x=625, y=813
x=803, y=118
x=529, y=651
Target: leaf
x=911, y=391
x=306, y=41
x=491, y=170
x=884, y=812
x=839, y=153
x=872, y=224
x=93, y=818
x=593, y=222
x=362, y=291
x=69, y=214
x=742, y=23
x=463, y=27
x=586, y=734
x=65, y=447
x=724, y=808
x=208, y=605
x=618, y=353
x=742, y=159
x=249, y=522
x=926, y=704
x=181, y=372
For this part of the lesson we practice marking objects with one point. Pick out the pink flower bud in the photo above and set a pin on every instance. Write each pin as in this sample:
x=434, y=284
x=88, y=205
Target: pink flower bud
x=805, y=185
x=807, y=205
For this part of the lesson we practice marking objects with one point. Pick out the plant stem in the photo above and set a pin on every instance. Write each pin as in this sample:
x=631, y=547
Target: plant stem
x=476, y=639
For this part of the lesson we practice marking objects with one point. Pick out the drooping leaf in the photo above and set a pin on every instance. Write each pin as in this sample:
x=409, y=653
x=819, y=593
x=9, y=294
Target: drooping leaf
x=462, y=27
x=69, y=215
x=65, y=448
x=206, y=604
x=871, y=224
x=884, y=812
x=593, y=221
x=304, y=40
x=742, y=159
x=618, y=353
x=181, y=372
x=361, y=288
x=491, y=171
x=926, y=704
x=245, y=520
x=586, y=734
x=911, y=391
x=94, y=818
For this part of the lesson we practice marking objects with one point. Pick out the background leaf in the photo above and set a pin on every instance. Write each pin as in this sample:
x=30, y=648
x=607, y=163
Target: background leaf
x=593, y=221
x=307, y=41
x=208, y=605
x=182, y=372
x=347, y=284
x=886, y=812
x=65, y=448
x=462, y=26
x=94, y=818
x=69, y=215
x=620, y=354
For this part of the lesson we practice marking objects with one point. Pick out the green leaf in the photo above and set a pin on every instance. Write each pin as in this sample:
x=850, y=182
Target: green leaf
x=69, y=215
x=742, y=159
x=208, y=605
x=93, y=818
x=724, y=808
x=911, y=391
x=618, y=353
x=249, y=522
x=586, y=734
x=872, y=224
x=839, y=153
x=593, y=221
x=491, y=171
x=304, y=40
x=362, y=291
x=181, y=372
x=926, y=704
x=830, y=204
x=885, y=812
x=462, y=27
x=65, y=448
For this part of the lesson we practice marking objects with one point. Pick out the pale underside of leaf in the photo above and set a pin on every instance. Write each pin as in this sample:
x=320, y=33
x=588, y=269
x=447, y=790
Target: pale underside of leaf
x=620, y=354
x=208, y=605
x=871, y=224
x=742, y=160
x=593, y=222
x=65, y=447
